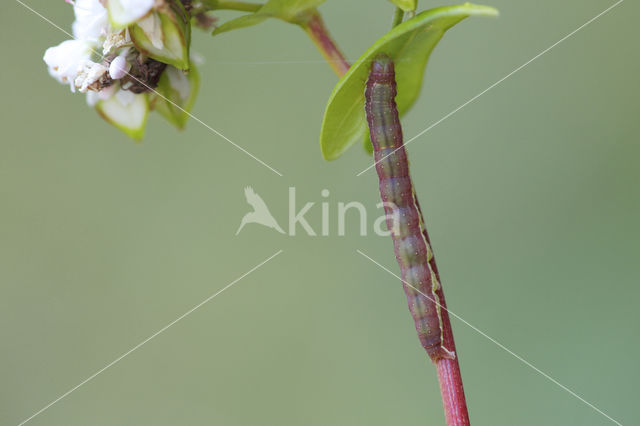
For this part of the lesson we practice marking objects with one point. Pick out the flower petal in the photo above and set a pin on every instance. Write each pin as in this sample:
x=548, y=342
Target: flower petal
x=91, y=20
x=123, y=13
x=67, y=59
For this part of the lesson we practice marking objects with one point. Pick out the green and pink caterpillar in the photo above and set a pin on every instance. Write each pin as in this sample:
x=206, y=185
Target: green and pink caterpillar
x=410, y=239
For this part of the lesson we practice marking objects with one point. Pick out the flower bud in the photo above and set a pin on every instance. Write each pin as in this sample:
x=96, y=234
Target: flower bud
x=119, y=67
x=165, y=34
x=177, y=93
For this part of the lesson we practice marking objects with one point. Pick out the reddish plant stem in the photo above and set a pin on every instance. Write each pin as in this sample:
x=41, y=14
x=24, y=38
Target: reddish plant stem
x=453, y=400
x=317, y=31
x=451, y=388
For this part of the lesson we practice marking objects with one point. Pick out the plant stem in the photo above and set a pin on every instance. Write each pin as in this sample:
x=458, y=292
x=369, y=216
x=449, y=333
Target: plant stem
x=398, y=16
x=451, y=388
x=449, y=377
x=453, y=400
x=313, y=25
x=241, y=6
x=317, y=31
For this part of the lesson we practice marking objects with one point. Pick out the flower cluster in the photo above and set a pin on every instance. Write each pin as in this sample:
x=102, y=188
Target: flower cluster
x=129, y=57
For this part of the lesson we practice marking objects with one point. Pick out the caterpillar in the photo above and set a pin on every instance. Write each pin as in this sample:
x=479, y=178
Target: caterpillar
x=410, y=239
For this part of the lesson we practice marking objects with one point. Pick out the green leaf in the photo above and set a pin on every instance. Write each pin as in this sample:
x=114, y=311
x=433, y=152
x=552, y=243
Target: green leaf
x=241, y=22
x=406, y=5
x=179, y=92
x=409, y=45
x=293, y=11
x=126, y=111
x=164, y=35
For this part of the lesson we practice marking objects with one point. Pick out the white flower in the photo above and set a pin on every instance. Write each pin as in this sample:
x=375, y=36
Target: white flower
x=107, y=92
x=137, y=7
x=123, y=13
x=91, y=21
x=115, y=40
x=89, y=74
x=125, y=97
x=94, y=97
x=67, y=59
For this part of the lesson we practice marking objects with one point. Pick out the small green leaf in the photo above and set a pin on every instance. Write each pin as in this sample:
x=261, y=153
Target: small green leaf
x=126, y=111
x=409, y=45
x=293, y=11
x=406, y=5
x=164, y=35
x=241, y=22
x=179, y=92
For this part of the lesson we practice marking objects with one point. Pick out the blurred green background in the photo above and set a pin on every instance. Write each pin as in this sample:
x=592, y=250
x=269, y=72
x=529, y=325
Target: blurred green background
x=531, y=196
